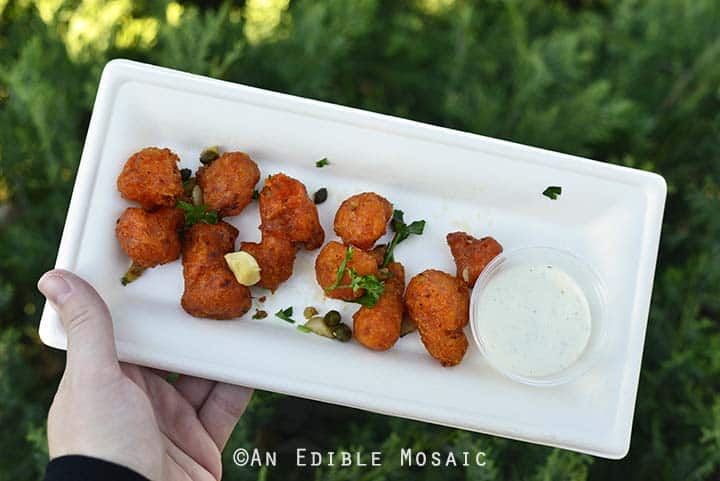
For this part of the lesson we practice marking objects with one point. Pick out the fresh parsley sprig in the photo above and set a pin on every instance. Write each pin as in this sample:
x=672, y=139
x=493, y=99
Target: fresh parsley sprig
x=374, y=287
x=553, y=192
x=341, y=269
x=286, y=315
x=402, y=232
x=195, y=214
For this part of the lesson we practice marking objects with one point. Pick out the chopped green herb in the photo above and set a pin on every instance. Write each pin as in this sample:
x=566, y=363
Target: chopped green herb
x=256, y=194
x=172, y=377
x=341, y=269
x=552, y=192
x=322, y=162
x=259, y=314
x=320, y=196
x=286, y=315
x=195, y=214
x=304, y=329
x=209, y=154
x=402, y=232
x=373, y=287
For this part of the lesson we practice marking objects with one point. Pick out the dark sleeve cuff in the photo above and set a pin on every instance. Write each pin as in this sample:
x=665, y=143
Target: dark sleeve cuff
x=83, y=468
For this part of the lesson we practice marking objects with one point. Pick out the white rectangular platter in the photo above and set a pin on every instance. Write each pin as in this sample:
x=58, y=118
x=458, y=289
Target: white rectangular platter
x=609, y=215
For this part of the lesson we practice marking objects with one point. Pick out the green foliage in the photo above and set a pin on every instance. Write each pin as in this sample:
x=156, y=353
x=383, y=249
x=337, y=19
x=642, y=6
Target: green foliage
x=630, y=82
x=402, y=232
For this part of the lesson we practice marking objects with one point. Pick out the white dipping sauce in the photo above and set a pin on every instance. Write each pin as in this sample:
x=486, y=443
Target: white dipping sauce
x=534, y=319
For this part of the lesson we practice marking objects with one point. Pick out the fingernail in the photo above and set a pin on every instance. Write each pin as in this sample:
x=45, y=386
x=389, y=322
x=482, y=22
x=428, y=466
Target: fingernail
x=55, y=288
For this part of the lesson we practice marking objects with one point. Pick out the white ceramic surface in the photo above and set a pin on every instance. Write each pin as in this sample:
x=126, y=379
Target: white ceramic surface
x=609, y=215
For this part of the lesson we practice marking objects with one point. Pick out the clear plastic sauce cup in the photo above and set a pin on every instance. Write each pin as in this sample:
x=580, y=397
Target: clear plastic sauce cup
x=538, y=315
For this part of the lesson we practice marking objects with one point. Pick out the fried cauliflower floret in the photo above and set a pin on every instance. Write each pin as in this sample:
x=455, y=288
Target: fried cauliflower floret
x=275, y=256
x=228, y=182
x=150, y=238
x=211, y=290
x=362, y=219
x=439, y=304
x=378, y=327
x=287, y=212
x=471, y=254
x=151, y=178
x=328, y=261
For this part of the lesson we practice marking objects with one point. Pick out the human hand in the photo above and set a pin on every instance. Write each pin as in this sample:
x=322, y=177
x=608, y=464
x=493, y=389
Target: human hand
x=127, y=414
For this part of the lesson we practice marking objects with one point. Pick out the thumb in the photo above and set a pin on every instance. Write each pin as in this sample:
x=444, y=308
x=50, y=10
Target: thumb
x=85, y=317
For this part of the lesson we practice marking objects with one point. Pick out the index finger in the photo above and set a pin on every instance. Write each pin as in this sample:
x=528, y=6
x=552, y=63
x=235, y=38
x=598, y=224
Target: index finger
x=221, y=410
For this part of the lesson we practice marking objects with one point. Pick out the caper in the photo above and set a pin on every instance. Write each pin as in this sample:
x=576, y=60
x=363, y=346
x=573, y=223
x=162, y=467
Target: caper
x=342, y=332
x=185, y=174
x=309, y=312
x=320, y=196
x=332, y=318
x=209, y=154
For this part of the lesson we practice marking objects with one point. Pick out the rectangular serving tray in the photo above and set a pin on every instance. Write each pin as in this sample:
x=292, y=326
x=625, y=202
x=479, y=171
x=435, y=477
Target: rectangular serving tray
x=609, y=215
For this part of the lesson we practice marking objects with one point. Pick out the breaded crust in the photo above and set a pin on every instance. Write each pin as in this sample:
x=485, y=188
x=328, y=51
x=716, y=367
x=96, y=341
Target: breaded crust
x=286, y=211
x=151, y=177
x=228, y=182
x=362, y=219
x=378, y=327
x=471, y=254
x=275, y=256
x=150, y=238
x=328, y=261
x=211, y=290
x=439, y=304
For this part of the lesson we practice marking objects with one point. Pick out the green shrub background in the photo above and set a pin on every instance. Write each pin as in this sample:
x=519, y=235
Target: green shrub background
x=630, y=82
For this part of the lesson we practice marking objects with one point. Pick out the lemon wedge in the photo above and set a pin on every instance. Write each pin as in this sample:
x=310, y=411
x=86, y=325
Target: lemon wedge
x=244, y=266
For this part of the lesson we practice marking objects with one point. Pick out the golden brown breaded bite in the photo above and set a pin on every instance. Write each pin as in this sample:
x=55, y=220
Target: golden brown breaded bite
x=150, y=238
x=328, y=261
x=471, y=254
x=362, y=219
x=228, y=182
x=439, y=304
x=449, y=348
x=151, y=178
x=275, y=256
x=211, y=289
x=378, y=327
x=286, y=211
